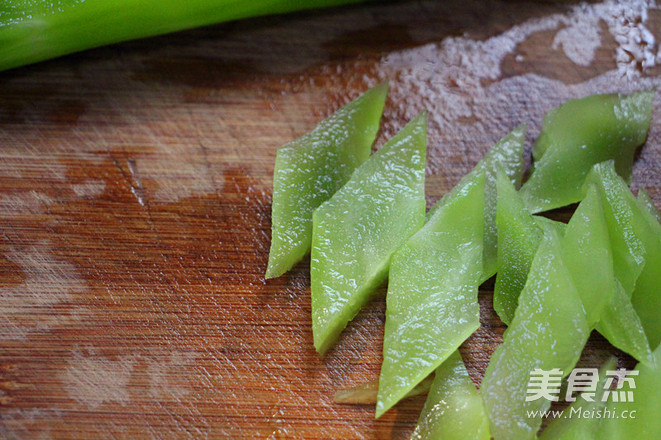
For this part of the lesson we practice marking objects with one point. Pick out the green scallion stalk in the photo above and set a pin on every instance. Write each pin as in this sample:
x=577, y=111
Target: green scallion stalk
x=32, y=31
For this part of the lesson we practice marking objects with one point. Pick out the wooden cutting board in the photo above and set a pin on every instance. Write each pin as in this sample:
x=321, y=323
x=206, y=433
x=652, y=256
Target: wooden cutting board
x=135, y=189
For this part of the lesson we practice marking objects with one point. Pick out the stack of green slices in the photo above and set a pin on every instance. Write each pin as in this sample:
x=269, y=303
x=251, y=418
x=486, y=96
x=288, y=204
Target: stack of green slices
x=362, y=217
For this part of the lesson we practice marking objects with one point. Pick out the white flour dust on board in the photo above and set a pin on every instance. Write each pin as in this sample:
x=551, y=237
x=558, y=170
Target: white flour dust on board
x=166, y=380
x=48, y=282
x=89, y=188
x=93, y=380
x=460, y=80
x=42, y=281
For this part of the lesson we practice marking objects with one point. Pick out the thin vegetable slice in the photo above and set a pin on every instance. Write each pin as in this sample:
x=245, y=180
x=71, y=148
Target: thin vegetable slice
x=574, y=426
x=645, y=406
x=548, y=331
x=366, y=393
x=634, y=418
x=519, y=235
x=648, y=203
x=508, y=154
x=579, y=134
x=356, y=232
x=588, y=256
x=32, y=31
x=621, y=325
x=309, y=170
x=518, y=239
x=432, y=294
x=636, y=242
x=453, y=409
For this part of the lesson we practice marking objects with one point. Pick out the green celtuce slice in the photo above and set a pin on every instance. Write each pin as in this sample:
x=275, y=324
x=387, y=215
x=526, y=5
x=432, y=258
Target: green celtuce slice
x=588, y=256
x=431, y=307
x=621, y=325
x=548, y=331
x=636, y=240
x=623, y=223
x=547, y=224
x=604, y=419
x=356, y=232
x=35, y=30
x=508, y=154
x=646, y=406
x=309, y=170
x=579, y=134
x=519, y=235
x=648, y=203
x=518, y=239
x=366, y=393
x=454, y=409
x=432, y=293
x=574, y=426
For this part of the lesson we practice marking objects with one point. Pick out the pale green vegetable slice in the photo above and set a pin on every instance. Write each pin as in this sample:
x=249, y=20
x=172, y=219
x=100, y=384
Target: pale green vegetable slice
x=356, y=232
x=508, y=154
x=518, y=239
x=588, y=256
x=648, y=203
x=519, y=235
x=366, y=393
x=587, y=252
x=621, y=325
x=453, y=409
x=309, y=170
x=574, y=426
x=636, y=242
x=579, y=134
x=432, y=293
x=646, y=406
x=548, y=331
x=637, y=418
x=547, y=224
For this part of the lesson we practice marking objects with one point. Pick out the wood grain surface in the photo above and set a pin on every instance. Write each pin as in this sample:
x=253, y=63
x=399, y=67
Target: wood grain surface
x=135, y=189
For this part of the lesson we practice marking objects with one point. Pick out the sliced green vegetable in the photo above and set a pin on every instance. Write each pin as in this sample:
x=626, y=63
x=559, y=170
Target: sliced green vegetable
x=621, y=325
x=309, y=170
x=508, y=154
x=32, y=31
x=518, y=239
x=637, y=419
x=620, y=208
x=547, y=224
x=588, y=256
x=648, y=203
x=579, y=134
x=607, y=419
x=356, y=232
x=548, y=331
x=519, y=235
x=432, y=294
x=636, y=245
x=574, y=426
x=454, y=409
x=366, y=393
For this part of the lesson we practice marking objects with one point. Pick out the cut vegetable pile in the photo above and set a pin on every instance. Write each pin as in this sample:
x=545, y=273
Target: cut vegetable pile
x=363, y=219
